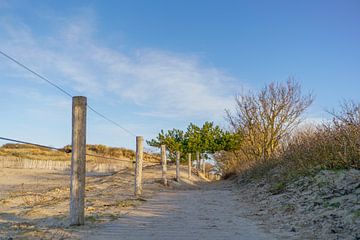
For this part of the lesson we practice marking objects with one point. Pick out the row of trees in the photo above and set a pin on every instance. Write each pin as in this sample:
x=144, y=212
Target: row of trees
x=205, y=140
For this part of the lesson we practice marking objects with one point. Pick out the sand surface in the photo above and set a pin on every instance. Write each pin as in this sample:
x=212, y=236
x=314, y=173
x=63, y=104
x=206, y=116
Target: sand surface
x=34, y=204
x=211, y=211
x=14, y=180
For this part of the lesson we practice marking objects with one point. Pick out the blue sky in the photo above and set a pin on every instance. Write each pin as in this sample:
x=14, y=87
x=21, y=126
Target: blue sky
x=152, y=65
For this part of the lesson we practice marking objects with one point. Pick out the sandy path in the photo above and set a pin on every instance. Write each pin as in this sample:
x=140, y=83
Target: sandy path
x=212, y=212
x=34, y=203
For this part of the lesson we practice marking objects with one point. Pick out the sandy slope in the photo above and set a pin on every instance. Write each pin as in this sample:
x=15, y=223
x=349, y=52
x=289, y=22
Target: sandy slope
x=325, y=205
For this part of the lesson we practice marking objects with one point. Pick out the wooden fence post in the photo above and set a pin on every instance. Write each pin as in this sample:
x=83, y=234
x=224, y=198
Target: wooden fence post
x=197, y=160
x=163, y=163
x=203, y=166
x=189, y=165
x=139, y=165
x=78, y=161
x=178, y=166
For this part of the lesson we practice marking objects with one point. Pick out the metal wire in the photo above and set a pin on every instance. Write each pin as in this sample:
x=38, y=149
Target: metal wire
x=111, y=158
x=37, y=74
x=62, y=149
x=33, y=144
x=63, y=91
x=111, y=121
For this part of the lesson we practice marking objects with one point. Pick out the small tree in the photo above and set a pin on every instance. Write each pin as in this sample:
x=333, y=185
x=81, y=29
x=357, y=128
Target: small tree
x=205, y=140
x=173, y=139
x=193, y=142
x=266, y=118
x=214, y=139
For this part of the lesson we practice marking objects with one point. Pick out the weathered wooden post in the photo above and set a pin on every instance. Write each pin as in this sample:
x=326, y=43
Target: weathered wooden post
x=203, y=166
x=139, y=165
x=178, y=166
x=163, y=163
x=189, y=165
x=78, y=159
x=197, y=160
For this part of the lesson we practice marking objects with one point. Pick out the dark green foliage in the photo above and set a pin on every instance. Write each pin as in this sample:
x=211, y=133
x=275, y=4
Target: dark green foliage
x=207, y=140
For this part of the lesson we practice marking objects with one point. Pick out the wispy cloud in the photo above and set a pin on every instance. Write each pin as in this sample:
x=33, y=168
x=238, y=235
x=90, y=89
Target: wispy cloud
x=167, y=84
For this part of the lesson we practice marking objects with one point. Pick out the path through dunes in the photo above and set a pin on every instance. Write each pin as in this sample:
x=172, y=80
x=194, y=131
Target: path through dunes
x=211, y=212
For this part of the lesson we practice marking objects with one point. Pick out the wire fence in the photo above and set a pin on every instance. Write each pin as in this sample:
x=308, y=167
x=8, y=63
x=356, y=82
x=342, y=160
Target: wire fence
x=65, y=150
x=80, y=154
x=95, y=163
x=65, y=92
x=68, y=94
x=32, y=163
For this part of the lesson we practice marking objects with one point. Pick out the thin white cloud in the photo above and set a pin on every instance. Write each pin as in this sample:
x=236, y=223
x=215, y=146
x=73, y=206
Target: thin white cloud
x=165, y=83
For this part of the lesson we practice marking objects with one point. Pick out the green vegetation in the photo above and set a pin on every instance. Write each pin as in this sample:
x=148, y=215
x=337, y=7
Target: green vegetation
x=356, y=214
x=278, y=187
x=207, y=139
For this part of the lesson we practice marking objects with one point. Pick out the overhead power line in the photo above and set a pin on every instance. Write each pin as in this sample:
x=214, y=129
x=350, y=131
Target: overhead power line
x=63, y=91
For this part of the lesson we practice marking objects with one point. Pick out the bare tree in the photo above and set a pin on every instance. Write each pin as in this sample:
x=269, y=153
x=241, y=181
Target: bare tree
x=266, y=118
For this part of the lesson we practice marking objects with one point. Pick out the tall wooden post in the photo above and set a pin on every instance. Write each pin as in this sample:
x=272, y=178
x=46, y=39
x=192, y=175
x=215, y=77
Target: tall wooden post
x=163, y=163
x=198, y=161
x=78, y=158
x=203, y=166
x=139, y=165
x=189, y=165
x=178, y=166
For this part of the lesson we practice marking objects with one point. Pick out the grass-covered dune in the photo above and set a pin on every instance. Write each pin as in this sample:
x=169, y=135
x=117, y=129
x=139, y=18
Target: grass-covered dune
x=38, y=153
